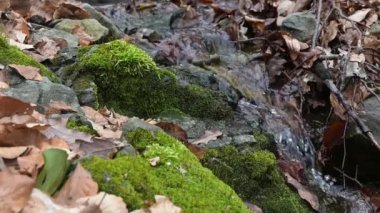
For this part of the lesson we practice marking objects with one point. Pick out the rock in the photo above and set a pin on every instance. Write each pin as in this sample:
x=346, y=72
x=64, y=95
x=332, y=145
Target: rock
x=244, y=139
x=300, y=25
x=65, y=56
x=114, y=31
x=128, y=149
x=43, y=92
x=37, y=36
x=197, y=75
x=87, y=91
x=136, y=123
x=178, y=175
x=372, y=116
x=91, y=26
x=375, y=29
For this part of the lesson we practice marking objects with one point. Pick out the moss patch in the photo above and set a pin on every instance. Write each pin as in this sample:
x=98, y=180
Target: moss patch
x=12, y=55
x=255, y=177
x=179, y=175
x=129, y=81
x=80, y=124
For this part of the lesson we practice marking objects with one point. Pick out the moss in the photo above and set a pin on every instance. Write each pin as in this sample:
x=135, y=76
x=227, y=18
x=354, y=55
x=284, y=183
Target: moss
x=130, y=82
x=12, y=55
x=255, y=177
x=79, y=124
x=179, y=176
x=264, y=141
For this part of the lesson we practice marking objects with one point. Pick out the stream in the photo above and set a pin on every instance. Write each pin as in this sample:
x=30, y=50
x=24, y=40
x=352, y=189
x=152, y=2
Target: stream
x=204, y=54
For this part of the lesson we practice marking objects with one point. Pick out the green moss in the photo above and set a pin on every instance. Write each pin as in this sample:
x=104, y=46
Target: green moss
x=264, y=141
x=12, y=55
x=179, y=176
x=78, y=123
x=255, y=177
x=130, y=82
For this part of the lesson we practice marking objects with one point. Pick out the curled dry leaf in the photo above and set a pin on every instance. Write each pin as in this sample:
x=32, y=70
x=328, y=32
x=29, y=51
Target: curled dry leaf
x=12, y=152
x=294, y=47
x=174, y=130
x=31, y=162
x=329, y=33
x=80, y=184
x=162, y=205
x=359, y=15
x=44, y=8
x=303, y=192
x=4, y=4
x=28, y=72
x=338, y=108
x=208, y=136
x=49, y=47
x=15, y=190
x=107, y=203
x=154, y=161
x=70, y=11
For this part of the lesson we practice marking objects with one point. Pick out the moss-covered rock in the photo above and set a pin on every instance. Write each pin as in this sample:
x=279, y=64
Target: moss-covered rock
x=178, y=175
x=129, y=81
x=12, y=55
x=255, y=177
x=80, y=124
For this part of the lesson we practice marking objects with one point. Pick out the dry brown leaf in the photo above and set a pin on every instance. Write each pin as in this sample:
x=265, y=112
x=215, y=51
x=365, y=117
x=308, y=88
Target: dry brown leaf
x=303, y=192
x=84, y=37
x=70, y=11
x=15, y=190
x=94, y=115
x=338, y=108
x=58, y=107
x=79, y=185
x=357, y=57
x=12, y=152
x=255, y=22
x=19, y=45
x=100, y=147
x=28, y=72
x=329, y=33
x=162, y=205
x=174, y=130
x=3, y=85
x=49, y=48
x=154, y=161
x=371, y=18
x=32, y=162
x=107, y=203
x=359, y=15
x=40, y=202
x=294, y=47
x=208, y=136
x=43, y=8
x=17, y=28
x=4, y=4
x=11, y=106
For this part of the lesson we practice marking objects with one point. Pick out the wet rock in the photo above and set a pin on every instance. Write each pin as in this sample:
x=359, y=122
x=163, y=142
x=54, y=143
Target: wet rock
x=91, y=26
x=114, y=31
x=65, y=56
x=151, y=35
x=43, y=92
x=51, y=33
x=197, y=75
x=300, y=25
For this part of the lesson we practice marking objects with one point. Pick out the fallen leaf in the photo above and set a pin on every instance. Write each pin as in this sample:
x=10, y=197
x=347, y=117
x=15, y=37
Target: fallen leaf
x=294, y=47
x=58, y=107
x=162, y=205
x=4, y=4
x=107, y=203
x=154, y=161
x=49, y=47
x=329, y=33
x=12, y=106
x=15, y=190
x=84, y=37
x=357, y=57
x=19, y=45
x=70, y=11
x=80, y=184
x=12, y=152
x=43, y=8
x=32, y=162
x=28, y=72
x=99, y=147
x=207, y=137
x=338, y=108
x=174, y=130
x=303, y=192
x=359, y=15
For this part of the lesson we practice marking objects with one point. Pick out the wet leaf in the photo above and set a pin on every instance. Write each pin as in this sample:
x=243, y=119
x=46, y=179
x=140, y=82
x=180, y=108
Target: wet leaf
x=15, y=190
x=333, y=134
x=303, y=192
x=174, y=130
x=80, y=184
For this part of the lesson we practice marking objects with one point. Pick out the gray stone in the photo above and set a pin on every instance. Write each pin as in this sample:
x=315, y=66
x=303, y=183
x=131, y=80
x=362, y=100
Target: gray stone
x=375, y=29
x=43, y=92
x=37, y=36
x=104, y=20
x=87, y=91
x=128, y=149
x=243, y=139
x=300, y=25
x=371, y=116
x=135, y=123
x=91, y=26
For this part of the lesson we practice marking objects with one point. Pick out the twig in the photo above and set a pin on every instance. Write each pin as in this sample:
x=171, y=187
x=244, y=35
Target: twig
x=344, y=151
x=363, y=127
x=329, y=57
x=317, y=28
x=349, y=177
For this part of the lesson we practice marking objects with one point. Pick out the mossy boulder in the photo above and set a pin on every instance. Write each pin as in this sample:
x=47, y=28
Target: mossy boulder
x=129, y=81
x=178, y=175
x=254, y=175
x=12, y=55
